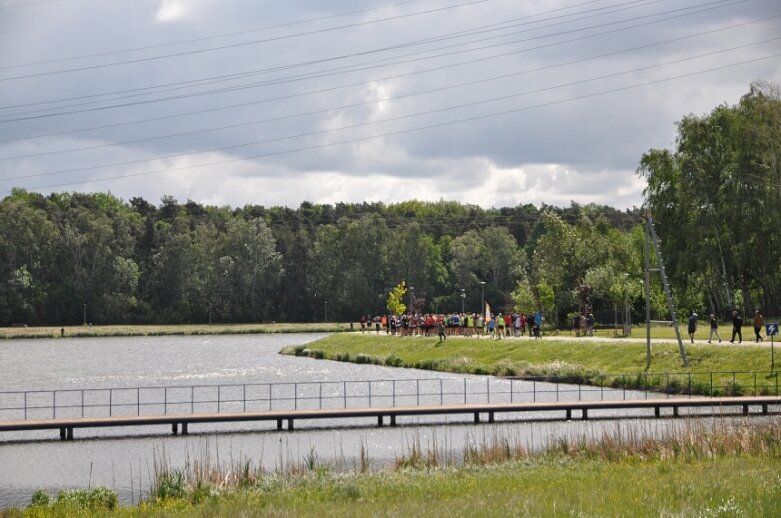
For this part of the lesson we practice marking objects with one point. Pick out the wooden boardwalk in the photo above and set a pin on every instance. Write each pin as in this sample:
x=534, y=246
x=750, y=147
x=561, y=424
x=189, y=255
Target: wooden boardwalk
x=179, y=422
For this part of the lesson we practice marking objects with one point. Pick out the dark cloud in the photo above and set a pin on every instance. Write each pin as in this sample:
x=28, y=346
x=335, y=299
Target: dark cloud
x=552, y=146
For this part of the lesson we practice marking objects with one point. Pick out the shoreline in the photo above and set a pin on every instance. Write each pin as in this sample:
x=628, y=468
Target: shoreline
x=92, y=331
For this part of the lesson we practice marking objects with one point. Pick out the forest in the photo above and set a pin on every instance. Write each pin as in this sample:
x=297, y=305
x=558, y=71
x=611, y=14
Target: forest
x=70, y=258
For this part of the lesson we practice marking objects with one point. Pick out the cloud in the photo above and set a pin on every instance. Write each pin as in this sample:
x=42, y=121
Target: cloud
x=495, y=109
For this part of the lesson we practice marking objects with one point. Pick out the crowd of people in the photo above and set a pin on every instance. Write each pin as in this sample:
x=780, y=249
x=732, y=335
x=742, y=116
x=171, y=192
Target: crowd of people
x=490, y=325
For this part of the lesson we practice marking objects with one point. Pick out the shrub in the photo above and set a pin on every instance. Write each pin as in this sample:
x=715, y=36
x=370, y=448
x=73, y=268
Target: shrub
x=40, y=498
x=169, y=484
x=98, y=498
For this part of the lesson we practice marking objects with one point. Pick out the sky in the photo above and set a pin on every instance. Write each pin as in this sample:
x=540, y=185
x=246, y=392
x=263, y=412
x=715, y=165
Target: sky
x=488, y=102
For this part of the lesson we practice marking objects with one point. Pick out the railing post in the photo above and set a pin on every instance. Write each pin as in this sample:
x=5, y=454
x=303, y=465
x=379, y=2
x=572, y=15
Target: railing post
x=465, y=391
x=511, y=391
x=295, y=396
x=25, y=406
x=219, y=397
x=441, y=396
x=602, y=388
x=54, y=404
x=320, y=396
x=82, y=402
x=557, y=391
x=244, y=396
x=417, y=390
x=138, y=401
x=344, y=393
x=711, y=384
x=534, y=391
x=623, y=385
x=755, y=383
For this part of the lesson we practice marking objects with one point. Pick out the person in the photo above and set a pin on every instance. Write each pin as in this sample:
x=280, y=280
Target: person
x=576, y=324
x=499, y=326
x=590, y=322
x=714, y=327
x=441, y=330
x=759, y=321
x=363, y=324
x=692, y=326
x=538, y=324
x=737, y=324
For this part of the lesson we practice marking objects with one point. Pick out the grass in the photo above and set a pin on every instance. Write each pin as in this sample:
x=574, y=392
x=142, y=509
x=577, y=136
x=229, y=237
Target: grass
x=163, y=330
x=607, y=363
x=721, y=469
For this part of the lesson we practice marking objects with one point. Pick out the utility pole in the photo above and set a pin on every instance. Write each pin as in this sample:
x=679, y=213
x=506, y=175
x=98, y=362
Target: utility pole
x=654, y=240
x=647, y=279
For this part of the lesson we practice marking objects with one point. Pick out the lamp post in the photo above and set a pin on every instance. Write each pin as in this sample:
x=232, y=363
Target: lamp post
x=463, y=296
x=482, y=297
x=627, y=328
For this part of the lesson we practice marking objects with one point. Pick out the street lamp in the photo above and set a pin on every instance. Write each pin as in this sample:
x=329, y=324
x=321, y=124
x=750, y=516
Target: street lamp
x=627, y=328
x=482, y=297
x=463, y=296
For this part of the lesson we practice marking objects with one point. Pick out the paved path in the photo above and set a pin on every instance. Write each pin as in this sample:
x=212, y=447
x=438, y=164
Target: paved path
x=603, y=336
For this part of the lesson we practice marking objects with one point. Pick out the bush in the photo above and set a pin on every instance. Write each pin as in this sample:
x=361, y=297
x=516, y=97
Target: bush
x=40, y=498
x=94, y=499
x=393, y=360
x=170, y=484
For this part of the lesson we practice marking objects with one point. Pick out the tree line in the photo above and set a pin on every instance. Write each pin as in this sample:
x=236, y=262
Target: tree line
x=70, y=257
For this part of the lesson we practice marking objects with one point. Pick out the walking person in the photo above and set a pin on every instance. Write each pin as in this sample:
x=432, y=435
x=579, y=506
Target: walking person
x=759, y=322
x=737, y=324
x=714, y=327
x=590, y=322
x=692, y=326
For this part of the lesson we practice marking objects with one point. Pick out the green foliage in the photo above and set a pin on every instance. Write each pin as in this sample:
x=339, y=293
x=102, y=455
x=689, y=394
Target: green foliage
x=40, y=498
x=93, y=499
x=395, y=303
x=169, y=484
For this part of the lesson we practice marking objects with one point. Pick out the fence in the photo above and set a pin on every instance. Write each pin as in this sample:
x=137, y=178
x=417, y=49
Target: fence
x=254, y=397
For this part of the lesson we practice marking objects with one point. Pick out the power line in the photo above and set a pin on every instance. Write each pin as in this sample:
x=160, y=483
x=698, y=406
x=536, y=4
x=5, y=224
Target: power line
x=204, y=38
x=28, y=4
x=15, y=117
x=233, y=45
x=393, y=98
x=240, y=75
x=387, y=78
x=398, y=132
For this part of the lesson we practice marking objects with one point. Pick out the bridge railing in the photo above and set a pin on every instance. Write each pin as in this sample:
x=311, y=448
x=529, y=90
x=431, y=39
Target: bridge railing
x=309, y=395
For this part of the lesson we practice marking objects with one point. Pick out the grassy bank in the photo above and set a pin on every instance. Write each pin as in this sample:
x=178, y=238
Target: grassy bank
x=614, y=364
x=720, y=470
x=163, y=330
